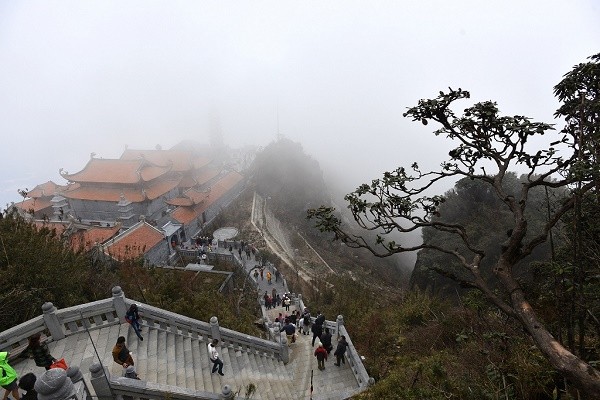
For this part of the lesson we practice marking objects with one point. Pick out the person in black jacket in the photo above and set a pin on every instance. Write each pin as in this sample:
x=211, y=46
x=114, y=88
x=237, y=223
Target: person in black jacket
x=133, y=317
x=340, y=350
x=317, y=331
x=326, y=340
x=39, y=351
x=290, y=330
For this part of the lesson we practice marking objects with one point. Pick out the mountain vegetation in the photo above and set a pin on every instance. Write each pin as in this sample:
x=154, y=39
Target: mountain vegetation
x=488, y=146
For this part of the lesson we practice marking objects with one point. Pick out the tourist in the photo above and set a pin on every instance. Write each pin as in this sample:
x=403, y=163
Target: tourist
x=321, y=355
x=326, y=340
x=286, y=302
x=262, y=274
x=278, y=300
x=317, y=331
x=268, y=277
x=121, y=353
x=39, y=351
x=274, y=295
x=277, y=274
x=214, y=357
x=27, y=383
x=340, y=350
x=306, y=321
x=290, y=330
x=133, y=318
x=8, y=377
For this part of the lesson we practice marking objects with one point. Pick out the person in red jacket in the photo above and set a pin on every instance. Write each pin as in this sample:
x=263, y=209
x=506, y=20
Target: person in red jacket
x=321, y=354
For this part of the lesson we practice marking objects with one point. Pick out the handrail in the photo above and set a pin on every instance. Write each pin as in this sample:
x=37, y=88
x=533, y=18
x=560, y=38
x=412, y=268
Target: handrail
x=17, y=336
x=355, y=361
x=182, y=325
x=143, y=390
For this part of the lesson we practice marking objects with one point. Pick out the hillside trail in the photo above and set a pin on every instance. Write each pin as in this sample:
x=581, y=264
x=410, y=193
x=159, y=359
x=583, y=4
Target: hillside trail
x=259, y=221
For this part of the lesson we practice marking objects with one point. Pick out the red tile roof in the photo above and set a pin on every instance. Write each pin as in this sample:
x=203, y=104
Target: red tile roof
x=103, y=194
x=58, y=226
x=181, y=160
x=100, y=170
x=86, y=239
x=134, y=242
x=36, y=204
x=44, y=190
x=160, y=188
x=205, y=175
x=186, y=214
x=151, y=192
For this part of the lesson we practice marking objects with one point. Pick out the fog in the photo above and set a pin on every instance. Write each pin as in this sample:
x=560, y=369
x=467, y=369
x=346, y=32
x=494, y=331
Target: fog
x=78, y=77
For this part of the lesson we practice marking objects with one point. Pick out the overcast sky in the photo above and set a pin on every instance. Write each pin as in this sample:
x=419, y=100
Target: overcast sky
x=93, y=76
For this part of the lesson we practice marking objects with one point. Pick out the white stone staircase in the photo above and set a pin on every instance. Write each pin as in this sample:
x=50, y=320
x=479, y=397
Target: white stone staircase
x=174, y=359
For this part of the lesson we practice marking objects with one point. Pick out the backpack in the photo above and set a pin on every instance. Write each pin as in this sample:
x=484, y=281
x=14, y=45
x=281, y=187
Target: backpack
x=306, y=319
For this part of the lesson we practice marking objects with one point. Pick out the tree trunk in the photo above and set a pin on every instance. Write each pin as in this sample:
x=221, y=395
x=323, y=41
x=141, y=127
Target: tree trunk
x=581, y=374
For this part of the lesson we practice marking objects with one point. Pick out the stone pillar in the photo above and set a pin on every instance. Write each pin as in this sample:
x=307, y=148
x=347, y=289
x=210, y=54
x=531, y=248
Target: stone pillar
x=81, y=388
x=214, y=328
x=340, y=323
x=119, y=301
x=99, y=380
x=300, y=303
x=227, y=393
x=54, y=385
x=52, y=322
x=285, y=350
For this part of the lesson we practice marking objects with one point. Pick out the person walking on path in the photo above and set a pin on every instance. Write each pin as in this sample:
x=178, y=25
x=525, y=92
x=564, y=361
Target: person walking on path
x=133, y=317
x=8, y=377
x=274, y=295
x=317, y=331
x=321, y=355
x=286, y=302
x=290, y=331
x=326, y=340
x=277, y=274
x=121, y=354
x=268, y=277
x=39, y=351
x=214, y=357
x=305, y=322
x=340, y=350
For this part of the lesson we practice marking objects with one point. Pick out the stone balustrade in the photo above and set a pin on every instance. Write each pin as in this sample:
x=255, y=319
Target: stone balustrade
x=110, y=388
x=94, y=315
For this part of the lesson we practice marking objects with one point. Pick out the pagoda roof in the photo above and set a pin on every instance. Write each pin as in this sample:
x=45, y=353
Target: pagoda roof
x=134, y=242
x=36, y=204
x=185, y=213
x=101, y=170
x=179, y=160
x=45, y=190
x=85, y=239
x=135, y=195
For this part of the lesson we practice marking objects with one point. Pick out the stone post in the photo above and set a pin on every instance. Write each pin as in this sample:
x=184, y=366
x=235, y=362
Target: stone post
x=227, y=393
x=300, y=302
x=52, y=322
x=81, y=388
x=54, y=385
x=340, y=323
x=99, y=380
x=119, y=301
x=285, y=350
x=214, y=328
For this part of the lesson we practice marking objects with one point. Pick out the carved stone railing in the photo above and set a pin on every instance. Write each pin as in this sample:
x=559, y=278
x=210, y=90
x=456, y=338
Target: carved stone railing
x=121, y=388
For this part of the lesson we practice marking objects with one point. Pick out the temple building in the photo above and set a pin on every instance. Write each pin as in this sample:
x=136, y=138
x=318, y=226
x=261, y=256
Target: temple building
x=176, y=192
